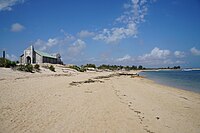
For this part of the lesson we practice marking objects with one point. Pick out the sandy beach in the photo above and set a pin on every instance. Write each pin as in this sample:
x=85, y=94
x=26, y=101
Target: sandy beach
x=93, y=102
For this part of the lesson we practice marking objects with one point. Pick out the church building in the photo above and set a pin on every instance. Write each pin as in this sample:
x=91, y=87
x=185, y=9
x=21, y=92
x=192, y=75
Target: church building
x=32, y=56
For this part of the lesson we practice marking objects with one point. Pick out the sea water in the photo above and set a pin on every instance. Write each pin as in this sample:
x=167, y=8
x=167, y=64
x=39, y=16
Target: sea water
x=187, y=80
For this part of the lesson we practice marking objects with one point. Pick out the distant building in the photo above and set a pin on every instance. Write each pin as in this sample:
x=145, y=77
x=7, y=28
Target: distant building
x=32, y=56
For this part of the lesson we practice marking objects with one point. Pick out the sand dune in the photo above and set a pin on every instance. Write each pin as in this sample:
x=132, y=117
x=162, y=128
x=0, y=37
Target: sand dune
x=94, y=102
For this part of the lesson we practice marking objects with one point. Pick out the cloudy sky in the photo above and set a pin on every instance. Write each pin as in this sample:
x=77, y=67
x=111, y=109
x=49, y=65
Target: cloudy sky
x=152, y=33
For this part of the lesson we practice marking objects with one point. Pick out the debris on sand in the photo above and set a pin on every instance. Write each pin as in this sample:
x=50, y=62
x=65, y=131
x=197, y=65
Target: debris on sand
x=74, y=83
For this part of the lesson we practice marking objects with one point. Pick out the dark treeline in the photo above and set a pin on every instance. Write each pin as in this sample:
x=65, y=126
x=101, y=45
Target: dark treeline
x=175, y=67
x=113, y=67
x=7, y=63
x=120, y=67
x=83, y=68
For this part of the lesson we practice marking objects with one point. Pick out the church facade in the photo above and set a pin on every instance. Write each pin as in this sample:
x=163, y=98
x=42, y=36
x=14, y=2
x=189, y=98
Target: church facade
x=32, y=56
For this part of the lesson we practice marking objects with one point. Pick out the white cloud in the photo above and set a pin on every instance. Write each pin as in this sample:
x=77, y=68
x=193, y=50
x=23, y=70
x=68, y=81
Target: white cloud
x=160, y=58
x=52, y=41
x=157, y=57
x=195, y=51
x=68, y=46
x=125, y=58
x=44, y=45
x=76, y=47
x=180, y=62
x=40, y=44
x=134, y=14
x=156, y=53
x=116, y=34
x=127, y=6
x=11, y=57
x=166, y=62
x=179, y=54
x=85, y=34
x=67, y=35
x=17, y=27
x=6, y=5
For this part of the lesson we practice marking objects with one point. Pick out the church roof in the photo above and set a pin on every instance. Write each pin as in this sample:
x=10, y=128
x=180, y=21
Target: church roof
x=44, y=54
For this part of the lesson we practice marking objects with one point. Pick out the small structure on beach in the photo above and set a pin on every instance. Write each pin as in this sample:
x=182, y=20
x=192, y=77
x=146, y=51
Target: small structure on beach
x=32, y=56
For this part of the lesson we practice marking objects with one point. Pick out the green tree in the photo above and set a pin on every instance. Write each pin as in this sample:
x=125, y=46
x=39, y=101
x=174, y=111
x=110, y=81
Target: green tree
x=140, y=67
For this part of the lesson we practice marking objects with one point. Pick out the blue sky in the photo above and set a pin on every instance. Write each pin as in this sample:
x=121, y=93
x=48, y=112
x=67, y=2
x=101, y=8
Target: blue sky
x=152, y=33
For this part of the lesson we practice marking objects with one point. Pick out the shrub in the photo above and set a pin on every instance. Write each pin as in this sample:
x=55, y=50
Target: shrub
x=52, y=68
x=7, y=63
x=26, y=68
x=1, y=62
x=80, y=69
x=37, y=67
x=21, y=68
x=13, y=64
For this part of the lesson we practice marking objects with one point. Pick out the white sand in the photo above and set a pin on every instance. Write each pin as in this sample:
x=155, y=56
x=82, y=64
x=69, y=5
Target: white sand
x=45, y=102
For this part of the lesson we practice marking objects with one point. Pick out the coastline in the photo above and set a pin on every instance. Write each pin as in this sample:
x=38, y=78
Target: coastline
x=94, y=102
x=177, y=82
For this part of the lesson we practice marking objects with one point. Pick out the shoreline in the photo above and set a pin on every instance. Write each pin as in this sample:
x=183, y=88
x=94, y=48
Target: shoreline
x=163, y=82
x=174, y=87
x=95, y=102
